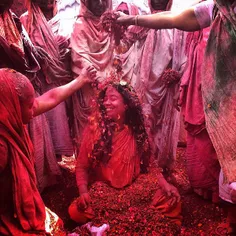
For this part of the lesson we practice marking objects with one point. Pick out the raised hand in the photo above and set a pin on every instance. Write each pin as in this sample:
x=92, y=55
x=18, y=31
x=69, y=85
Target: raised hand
x=122, y=18
x=87, y=75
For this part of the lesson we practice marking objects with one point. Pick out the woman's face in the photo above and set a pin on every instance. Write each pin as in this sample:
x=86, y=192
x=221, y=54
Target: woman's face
x=159, y=4
x=27, y=105
x=5, y=5
x=98, y=7
x=114, y=105
x=123, y=7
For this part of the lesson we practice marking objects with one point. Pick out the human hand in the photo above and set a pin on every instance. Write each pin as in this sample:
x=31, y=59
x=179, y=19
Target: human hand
x=83, y=201
x=171, y=192
x=87, y=75
x=123, y=19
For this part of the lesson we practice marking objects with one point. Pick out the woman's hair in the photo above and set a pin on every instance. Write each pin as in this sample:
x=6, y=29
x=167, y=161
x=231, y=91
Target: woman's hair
x=134, y=119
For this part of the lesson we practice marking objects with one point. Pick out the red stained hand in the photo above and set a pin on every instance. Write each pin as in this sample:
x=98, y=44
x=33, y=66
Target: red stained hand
x=122, y=18
x=88, y=75
x=83, y=201
x=171, y=192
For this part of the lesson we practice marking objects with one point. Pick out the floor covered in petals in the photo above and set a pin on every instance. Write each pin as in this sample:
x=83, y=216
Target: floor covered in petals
x=128, y=211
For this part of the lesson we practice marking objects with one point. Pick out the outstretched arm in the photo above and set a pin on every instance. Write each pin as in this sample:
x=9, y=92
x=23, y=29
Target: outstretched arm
x=186, y=20
x=55, y=96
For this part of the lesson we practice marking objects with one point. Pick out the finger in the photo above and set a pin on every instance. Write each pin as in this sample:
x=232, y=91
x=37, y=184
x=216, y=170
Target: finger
x=90, y=68
x=117, y=14
x=178, y=197
x=168, y=193
x=172, y=201
x=93, y=72
x=83, y=203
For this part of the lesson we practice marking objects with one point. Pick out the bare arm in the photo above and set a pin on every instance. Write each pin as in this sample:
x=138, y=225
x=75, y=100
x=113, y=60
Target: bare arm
x=186, y=20
x=55, y=96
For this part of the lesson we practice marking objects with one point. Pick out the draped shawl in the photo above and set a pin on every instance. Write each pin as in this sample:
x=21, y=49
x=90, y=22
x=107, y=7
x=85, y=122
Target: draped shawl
x=47, y=45
x=90, y=46
x=219, y=87
x=16, y=50
x=155, y=56
x=123, y=166
x=28, y=206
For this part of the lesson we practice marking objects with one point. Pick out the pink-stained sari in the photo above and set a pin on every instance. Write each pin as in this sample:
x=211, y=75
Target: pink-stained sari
x=219, y=87
x=201, y=159
x=90, y=46
x=56, y=70
x=162, y=118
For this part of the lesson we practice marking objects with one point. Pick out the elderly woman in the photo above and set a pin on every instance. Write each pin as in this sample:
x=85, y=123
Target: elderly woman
x=90, y=45
x=115, y=148
x=55, y=66
x=22, y=210
x=155, y=58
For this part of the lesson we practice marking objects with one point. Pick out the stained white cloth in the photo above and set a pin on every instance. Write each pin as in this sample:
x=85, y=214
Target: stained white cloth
x=225, y=189
x=203, y=12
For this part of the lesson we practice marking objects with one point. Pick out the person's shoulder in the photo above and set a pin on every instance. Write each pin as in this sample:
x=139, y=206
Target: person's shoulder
x=203, y=12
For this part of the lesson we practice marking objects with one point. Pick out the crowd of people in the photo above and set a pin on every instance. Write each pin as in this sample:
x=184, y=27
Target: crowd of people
x=114, y=97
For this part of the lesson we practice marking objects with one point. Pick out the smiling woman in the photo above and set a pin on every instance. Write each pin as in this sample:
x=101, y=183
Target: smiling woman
x=115, y=149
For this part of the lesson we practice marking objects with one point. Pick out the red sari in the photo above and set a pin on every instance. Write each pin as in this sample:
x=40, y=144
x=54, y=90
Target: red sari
x=23, y=211
x=122, y=168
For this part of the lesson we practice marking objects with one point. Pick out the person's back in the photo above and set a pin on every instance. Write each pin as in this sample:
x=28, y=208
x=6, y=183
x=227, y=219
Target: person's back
x=23, y=208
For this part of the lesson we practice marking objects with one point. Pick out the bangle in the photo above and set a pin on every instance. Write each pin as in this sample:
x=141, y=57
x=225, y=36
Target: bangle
x=136, y=20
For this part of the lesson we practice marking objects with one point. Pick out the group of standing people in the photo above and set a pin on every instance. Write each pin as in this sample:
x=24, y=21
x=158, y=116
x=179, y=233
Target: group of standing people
x=116, y=131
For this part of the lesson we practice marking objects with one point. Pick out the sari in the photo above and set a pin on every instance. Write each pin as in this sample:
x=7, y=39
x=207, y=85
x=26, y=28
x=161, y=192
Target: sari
x=56, y=70
x=162, y=118
x=17, y=52
x=120, y=171
x=90, y=46
x=24, y=211
x=219, y=87
x=122, y=168
x=201, y=160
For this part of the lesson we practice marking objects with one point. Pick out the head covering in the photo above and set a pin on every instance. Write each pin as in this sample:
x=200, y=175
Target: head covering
x=168, y=7
x=47, y=45
x=9, y=31
x=28, y=206
x=133, y=9
x=85, y=12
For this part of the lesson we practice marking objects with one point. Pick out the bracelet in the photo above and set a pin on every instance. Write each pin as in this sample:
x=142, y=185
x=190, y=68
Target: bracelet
x=136, y=20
